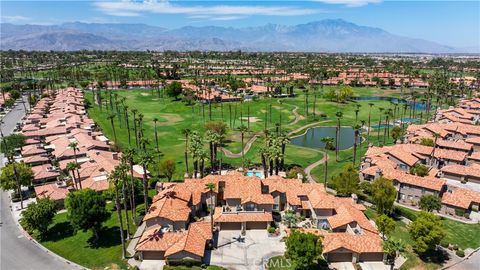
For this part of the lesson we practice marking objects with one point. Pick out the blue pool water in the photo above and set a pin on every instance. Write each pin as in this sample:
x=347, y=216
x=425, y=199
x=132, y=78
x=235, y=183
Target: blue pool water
x=382, y=126
x=257, y=174
x=409, y=120
x=418, y=105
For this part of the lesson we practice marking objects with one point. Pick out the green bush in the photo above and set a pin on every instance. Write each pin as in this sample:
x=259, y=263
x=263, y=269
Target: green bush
x=405, y=212
x=444, y=244
x=140, y=209
x=271, y=230
x=459, y=212
x=460, y=253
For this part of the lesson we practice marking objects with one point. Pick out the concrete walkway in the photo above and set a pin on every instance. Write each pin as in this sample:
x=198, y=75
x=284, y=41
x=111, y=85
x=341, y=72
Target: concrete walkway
x=229, y=153
x=134, y=240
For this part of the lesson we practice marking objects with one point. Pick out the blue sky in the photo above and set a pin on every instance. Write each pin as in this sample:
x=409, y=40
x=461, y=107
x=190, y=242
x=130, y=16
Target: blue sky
x=454, y=23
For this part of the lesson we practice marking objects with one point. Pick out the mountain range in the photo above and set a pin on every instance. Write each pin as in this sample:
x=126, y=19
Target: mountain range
x=319, y=36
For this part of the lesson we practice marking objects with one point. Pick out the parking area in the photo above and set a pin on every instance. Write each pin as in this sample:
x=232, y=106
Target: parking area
x=341, y=266
x=247, y=252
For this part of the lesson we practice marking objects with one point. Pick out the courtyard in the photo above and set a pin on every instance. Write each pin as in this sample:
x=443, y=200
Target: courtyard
x=247, y=252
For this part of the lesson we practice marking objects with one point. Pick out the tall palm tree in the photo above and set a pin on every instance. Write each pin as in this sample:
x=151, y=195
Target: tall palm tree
x=125, y=108
x=339, y=116
x=128, y=157
x=111, y=117
x=379, y=124
x=386, y=130
x=186, y=133
x=357, y=110
x=393, y=248
x=72, y=167
x=328, y=141
x=135, y=111
x=369, y=120
x=211, y=208
x=145, y=160
x=436, y=136
x=11, y=160
x=356, y=132
x=115, y=178
x=155, y=120
x=283, y=140
x=242, y=130
x=74, y=146
x=264, y=157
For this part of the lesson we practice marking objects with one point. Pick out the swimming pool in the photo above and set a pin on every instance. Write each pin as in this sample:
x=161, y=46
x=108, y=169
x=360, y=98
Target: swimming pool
x=254, y=173
x=382, y=126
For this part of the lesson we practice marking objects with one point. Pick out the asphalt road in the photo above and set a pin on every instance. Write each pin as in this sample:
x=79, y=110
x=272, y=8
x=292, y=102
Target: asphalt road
x=16, y=251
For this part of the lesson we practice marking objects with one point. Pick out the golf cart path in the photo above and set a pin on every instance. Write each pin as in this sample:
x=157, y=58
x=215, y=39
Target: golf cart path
x=229, y=153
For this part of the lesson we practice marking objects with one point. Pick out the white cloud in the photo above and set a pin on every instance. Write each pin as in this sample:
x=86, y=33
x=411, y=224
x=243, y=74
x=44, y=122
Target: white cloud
x=350, y=3
x=14, y=19
x=224, y=11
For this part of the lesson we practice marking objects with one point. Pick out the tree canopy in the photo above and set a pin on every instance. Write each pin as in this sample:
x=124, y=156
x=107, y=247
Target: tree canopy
x=86, y=210
x=304, y=249
x=39, y=215
x=430, y=202
x=426, y=232
x=347, y=181
x=174, y=89
x=383, y=195
x=385, y=225
x=10, y=142
x=7, y=177
x=167, y=168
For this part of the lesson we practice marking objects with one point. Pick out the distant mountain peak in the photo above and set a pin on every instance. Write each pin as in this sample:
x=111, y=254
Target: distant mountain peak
x=329, y=35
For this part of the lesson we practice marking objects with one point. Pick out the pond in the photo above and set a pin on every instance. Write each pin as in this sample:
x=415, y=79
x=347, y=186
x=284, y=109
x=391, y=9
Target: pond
x=312, y=138
x=418, y=105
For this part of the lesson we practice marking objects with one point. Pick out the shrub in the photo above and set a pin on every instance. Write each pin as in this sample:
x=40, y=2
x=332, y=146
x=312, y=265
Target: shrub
x=140, y=209
x=460, y=253
x=271, y=230
x=405, y=212
x=444, y=244
x=459, y=212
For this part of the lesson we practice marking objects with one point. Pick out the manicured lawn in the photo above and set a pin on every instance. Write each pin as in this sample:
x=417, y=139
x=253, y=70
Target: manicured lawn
x=461, y=234
x=76, y=247
x=174, y=116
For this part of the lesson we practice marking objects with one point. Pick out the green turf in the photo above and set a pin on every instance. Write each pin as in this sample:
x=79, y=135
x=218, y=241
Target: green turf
x=75, y=246
x=174, y=116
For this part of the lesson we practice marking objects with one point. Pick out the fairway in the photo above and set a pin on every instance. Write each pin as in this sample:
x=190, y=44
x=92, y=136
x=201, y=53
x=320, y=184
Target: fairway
x=288, y=114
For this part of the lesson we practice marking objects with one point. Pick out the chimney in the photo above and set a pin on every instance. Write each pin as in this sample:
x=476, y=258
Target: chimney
x=378, y=173
x=354, y=198
x=115, y=155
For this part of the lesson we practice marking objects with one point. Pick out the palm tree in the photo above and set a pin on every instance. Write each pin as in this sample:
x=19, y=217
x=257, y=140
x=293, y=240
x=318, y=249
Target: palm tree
x=71, y=167
x=128, y=157
x=339, y=116
x=357, y=110
x=369, y=120
x=379, y=124
x=356, y=132
x=211, y=208
x=242, y=130
x=134, y=111
x=74, y=146
x=386, y=130
x=264, y=157
x=393, y=248
x=11, y=159
x=111, y=117
x=328, y=141
x=436, y=136
x=125, y=108
x=202, y=156
x=155, y=120
x=283, y=140
x=115, y=178
x=186, y=133
x=145, y=160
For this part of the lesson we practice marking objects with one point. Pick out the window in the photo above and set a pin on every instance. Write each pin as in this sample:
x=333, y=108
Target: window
x=276, y=207
x=250, y=207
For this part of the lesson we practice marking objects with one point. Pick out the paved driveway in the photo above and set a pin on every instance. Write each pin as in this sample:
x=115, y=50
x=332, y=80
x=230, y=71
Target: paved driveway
x=250, y=252
x=341, y=266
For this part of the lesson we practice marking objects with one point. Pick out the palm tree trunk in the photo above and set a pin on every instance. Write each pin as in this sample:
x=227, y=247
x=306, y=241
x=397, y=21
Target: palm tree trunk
x=120, y=222
x=132, y=196
x=145, y=188
x=124, y=191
